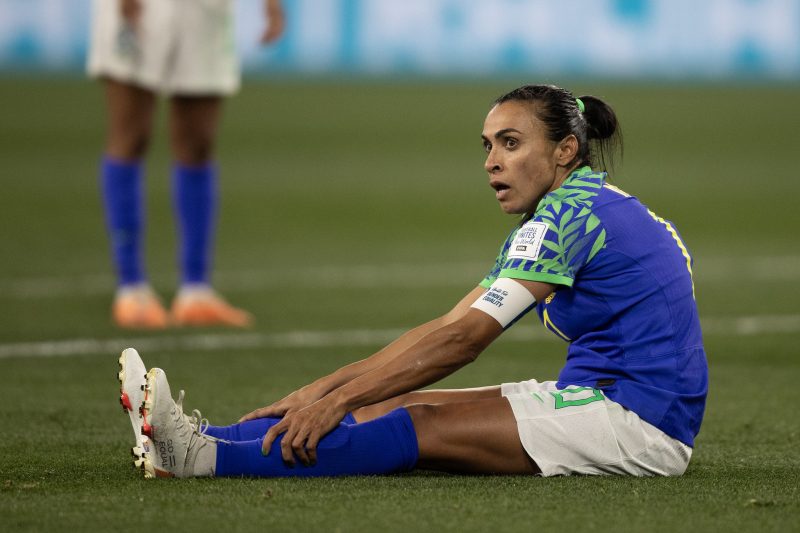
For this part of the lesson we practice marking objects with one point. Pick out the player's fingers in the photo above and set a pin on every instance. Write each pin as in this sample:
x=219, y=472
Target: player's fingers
x=131, y=11
x=270, y=437
x=262, y=412
x=252, y=415
x=275, y=28
x=299, y=448
x=269, y=36
x=286, y=448
x=249, y=416
x=311, y=448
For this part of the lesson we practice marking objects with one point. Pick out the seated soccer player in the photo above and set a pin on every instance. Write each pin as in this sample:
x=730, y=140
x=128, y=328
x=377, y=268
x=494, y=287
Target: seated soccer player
x=604, y=273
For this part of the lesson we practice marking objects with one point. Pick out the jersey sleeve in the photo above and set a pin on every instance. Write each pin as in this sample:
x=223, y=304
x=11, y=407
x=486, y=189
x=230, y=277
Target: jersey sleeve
x=494, y=273
x=554, y=245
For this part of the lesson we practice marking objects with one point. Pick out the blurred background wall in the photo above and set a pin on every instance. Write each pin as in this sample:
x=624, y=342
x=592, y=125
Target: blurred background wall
x=680, y=39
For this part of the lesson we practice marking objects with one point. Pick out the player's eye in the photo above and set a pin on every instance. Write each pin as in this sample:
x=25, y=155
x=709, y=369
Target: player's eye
x=487, y=146
x=511, y=142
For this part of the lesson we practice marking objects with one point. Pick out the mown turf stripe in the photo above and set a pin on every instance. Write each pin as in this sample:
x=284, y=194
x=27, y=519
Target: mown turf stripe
x=738, y=326
x=714, y=269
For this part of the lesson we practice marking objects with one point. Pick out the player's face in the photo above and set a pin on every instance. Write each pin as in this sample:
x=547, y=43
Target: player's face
x=523, y=165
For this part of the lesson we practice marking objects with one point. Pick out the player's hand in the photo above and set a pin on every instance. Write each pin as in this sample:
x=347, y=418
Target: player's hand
x=293, y=402
x=303, y=430
x=131, y=11
x=276, y=21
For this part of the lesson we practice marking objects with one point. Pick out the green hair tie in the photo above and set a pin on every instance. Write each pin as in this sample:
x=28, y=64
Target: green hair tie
x=581, y=107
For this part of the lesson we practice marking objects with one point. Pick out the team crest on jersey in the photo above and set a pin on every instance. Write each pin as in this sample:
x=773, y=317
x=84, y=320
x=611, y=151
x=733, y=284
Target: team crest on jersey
x=528, y=241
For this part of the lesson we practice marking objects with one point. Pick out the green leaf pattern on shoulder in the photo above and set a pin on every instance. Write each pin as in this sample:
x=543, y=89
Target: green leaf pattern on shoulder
x=575, y=233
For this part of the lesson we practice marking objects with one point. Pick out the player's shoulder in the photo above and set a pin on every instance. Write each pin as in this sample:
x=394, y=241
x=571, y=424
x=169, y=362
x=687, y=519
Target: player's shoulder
x=615, y=203
x=579, y=192
x=574, y=201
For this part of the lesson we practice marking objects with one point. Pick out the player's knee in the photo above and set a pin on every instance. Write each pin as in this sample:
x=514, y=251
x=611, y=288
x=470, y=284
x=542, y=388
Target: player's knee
x=429, y=427
x=128, y=146
x=422, y=414
x=194, y=152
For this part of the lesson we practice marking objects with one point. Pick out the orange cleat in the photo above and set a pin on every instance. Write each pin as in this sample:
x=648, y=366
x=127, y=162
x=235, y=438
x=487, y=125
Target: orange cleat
x=138, y=307
x=202, y=306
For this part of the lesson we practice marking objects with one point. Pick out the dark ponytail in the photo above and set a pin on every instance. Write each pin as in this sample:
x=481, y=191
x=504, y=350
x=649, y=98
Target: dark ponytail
x=596, y=127
x=602, y=131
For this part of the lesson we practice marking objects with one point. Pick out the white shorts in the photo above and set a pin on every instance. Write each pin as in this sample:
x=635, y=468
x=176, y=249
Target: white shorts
x=183, y=47
x=578, y=430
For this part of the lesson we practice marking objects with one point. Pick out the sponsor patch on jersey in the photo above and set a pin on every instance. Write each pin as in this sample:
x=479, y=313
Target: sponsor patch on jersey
x=528, y=241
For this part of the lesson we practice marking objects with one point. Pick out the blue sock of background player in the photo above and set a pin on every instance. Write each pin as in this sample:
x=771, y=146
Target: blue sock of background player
x=385, y=445
x=122, y=199
x=195, y=201
x=253, y=429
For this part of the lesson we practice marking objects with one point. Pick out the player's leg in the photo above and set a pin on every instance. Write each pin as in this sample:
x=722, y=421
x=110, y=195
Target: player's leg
x=175, y=447
x=255, y=429
x=436, y=396
x=476, y=437
x=130, y=122
x=194, y=121
x=464, y=437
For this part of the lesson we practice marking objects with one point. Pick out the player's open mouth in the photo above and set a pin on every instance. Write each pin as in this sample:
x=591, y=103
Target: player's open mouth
x=500, y=189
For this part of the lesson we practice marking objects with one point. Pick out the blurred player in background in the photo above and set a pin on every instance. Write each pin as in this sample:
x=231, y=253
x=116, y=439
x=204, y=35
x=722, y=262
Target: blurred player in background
x=605, y=274
x=185, y=50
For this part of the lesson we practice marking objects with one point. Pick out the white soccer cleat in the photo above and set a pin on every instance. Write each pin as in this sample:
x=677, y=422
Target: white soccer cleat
x=143, y=458
x=177, y=446
x=132, y=376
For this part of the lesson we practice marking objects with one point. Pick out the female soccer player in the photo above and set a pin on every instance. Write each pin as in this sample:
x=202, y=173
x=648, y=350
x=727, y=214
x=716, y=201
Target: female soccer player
x=605, y=274
x=185, y=50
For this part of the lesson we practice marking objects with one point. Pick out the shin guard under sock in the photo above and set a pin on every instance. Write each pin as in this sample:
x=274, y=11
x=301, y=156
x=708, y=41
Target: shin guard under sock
x=382, y=446
x=195, y=198
x=253, y=429
x=121, y=184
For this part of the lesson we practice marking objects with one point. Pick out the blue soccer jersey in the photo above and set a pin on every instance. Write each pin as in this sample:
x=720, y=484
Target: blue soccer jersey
x=625, y=299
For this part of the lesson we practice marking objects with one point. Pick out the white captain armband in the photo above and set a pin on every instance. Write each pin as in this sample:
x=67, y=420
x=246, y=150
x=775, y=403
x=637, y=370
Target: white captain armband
x=506, y=301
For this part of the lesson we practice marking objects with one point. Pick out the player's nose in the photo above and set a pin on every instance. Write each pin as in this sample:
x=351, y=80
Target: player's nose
x=492, y=165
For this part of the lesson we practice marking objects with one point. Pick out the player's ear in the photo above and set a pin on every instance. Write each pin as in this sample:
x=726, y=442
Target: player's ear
x=566, y=150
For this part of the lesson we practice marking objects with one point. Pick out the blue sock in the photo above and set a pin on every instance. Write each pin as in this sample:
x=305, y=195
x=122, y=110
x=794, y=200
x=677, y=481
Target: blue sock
x=254, y=429
x=195, y=199
x=244, y=431
x=382, y=446
x=121, y=184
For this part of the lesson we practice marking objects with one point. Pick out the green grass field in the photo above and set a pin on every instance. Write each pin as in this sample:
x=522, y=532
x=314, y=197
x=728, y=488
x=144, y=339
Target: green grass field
x=350, y=211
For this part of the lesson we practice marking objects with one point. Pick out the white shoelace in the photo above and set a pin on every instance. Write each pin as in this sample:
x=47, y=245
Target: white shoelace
x=196, y=422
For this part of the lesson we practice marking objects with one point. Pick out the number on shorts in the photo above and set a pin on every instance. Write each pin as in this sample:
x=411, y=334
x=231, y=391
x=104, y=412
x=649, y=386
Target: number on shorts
x=561, y=402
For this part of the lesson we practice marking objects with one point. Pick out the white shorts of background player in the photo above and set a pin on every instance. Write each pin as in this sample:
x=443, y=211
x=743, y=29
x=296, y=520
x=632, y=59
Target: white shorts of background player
x=183, y=47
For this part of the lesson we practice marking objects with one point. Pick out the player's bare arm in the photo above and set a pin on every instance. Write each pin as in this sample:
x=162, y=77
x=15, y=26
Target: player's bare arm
x=312, y=392
x=275, y=21
x=131, y=11
x=433, y=357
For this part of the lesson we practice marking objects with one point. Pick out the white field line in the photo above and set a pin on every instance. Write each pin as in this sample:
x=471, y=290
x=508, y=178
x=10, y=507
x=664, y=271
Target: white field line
x=729, y=326
x=713, y=269
x=322, y=277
